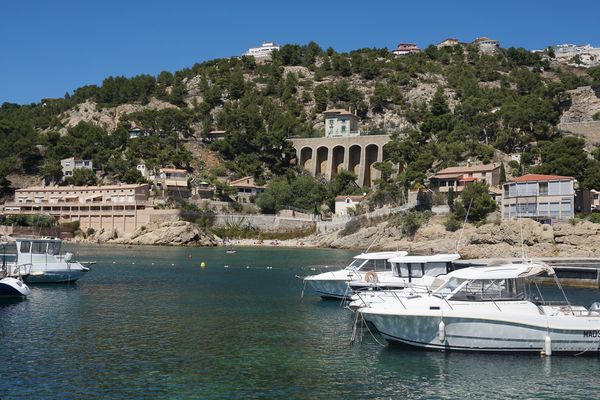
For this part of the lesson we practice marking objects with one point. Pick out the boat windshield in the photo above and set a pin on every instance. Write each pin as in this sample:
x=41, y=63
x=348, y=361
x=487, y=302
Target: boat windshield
x=483, y=290
x=418, y=270
x=370, y=265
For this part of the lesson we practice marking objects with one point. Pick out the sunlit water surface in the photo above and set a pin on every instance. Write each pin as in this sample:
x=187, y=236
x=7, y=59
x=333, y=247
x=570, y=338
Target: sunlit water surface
x=150, y=323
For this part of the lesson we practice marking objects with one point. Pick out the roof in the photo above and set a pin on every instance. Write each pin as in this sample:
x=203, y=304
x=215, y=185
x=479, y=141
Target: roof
x=382, y=255
x=353, y=198
x=80, y=188
x=338, y=111
x=467, y=179
x=540, y=177
x=247, y=181
x=176, y=170
x=483, y=39
x=502, y=271
x=426, y=259
x=216, y=132
x=467, y=169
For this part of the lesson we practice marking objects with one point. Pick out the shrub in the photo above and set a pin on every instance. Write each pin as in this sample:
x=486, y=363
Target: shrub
x=452, y=224
x=410, y=222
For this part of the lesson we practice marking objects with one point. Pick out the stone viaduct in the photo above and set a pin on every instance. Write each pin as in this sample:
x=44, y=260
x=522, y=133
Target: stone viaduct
x=329, y=155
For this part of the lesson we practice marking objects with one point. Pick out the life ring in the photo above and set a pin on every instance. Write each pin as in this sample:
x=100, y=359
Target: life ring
x=371, y=276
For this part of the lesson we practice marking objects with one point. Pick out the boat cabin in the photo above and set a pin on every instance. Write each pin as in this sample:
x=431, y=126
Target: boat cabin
x=37, y=250
x=374, y=261
x=410, y=267
x=497, y=283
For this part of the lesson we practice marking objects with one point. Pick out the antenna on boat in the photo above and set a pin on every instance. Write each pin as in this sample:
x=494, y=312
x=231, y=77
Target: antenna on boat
x=463, y=227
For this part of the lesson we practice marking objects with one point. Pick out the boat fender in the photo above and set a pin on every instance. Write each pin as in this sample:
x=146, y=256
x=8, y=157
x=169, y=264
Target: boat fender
x=371, y=276
x=548, y=346
x=68, y=257
x=442, y=331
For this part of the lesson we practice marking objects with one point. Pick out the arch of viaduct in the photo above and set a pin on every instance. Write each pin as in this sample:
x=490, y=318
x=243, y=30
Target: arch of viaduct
x=329, y=155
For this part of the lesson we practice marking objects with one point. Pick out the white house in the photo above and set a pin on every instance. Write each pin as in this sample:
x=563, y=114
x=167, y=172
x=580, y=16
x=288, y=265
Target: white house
x=344, y=204
x=340, y=123
x=263, y=51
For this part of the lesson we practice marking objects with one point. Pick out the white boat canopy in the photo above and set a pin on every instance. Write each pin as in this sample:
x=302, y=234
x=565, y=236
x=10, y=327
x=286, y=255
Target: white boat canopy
x=506, y=271
x=382, y=255
x=425, y=259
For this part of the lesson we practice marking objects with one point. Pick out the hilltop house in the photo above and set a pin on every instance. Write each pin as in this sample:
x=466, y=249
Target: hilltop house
x=541, y=197
x=486, y=45
x=215, y=136
x=406, y=48
x=71, y=164
x=449, y=42
x=263, y=51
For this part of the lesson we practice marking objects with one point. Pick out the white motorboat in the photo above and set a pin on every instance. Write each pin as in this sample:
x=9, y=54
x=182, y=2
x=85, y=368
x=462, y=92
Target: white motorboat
x=493, y=308
x=11, y=288
x=418, y=273
x=334, y=284
x=40, y=261
x=408, y=271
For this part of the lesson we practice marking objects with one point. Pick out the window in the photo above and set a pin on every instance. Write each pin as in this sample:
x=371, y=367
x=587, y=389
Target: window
x=555, y=209
x=554, y=188
x=483, y=173
x=565, y=187
x=38, y=248
x=543, y=188
x=25, y=247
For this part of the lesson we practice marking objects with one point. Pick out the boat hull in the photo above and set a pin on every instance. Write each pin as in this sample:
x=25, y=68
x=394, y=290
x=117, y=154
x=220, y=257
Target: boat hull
x=485, y=335
x=55, y=276
x=13, y=288
x=330, y=288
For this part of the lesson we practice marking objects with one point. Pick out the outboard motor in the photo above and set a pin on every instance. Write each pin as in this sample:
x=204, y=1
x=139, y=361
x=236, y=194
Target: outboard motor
x=595, y=308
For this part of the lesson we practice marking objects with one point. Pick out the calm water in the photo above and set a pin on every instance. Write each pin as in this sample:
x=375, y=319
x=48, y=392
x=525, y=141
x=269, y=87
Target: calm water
x=138, y=327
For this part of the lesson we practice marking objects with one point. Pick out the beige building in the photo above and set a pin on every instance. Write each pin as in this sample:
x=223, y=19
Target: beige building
x=449, y=42
x=458, y=177
x=174, y=181
x=541, y=197
x=123, y=208
x=344, y=147
x=246, y=188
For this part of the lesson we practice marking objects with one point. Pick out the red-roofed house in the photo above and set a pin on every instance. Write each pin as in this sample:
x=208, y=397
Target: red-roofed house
x=541, y=197
x=174, y=180
x=343, y=204
x=406, y=48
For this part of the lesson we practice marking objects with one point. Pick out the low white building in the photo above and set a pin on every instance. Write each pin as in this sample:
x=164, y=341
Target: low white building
x=406, y=48
x=487, y=45
x=263, y=51
x=344, y=205
x=247, y=188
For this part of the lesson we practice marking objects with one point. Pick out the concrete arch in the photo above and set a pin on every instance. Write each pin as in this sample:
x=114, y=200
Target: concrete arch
x=338, y=154
x=371, y=157
x=321, y=159
x=306, y=158
x=354, y=155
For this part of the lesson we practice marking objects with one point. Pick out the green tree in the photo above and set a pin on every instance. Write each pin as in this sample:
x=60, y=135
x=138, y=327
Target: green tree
x=476, y=200
x=82, y=177
x=502, y=174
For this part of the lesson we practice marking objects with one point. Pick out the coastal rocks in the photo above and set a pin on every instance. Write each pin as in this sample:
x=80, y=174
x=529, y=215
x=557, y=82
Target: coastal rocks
x=178, y=233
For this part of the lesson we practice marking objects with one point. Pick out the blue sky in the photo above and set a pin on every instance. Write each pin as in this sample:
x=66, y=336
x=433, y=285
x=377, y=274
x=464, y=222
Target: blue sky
x=50, y=47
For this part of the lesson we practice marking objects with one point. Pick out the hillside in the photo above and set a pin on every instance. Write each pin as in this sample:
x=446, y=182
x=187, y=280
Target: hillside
x=446, y=105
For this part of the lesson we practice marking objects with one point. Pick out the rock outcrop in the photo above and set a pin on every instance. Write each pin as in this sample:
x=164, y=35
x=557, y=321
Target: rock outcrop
x=492, y=240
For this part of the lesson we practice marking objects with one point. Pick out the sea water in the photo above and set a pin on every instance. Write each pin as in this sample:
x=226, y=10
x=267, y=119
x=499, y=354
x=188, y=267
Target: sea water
x=151, y=323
